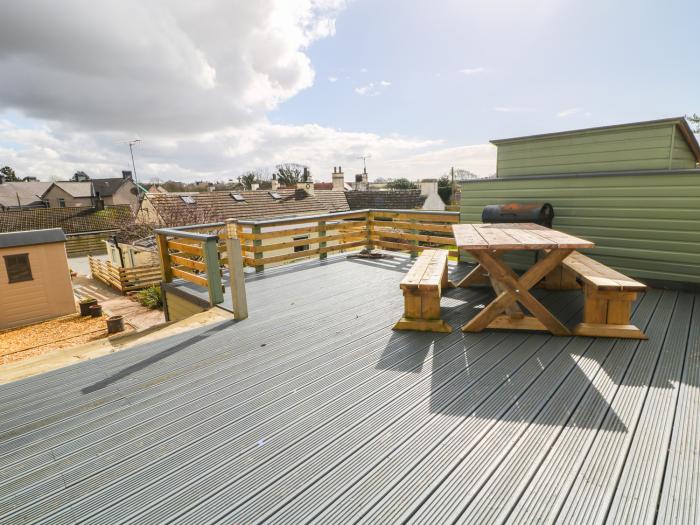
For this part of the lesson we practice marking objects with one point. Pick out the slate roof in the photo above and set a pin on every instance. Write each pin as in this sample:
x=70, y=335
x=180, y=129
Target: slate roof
x=390, y=200
x=107, y=187
x=32, y=237
x=218, y=206
x=70, y=220
x=75, y=189
x=334, y=201
x=29, y=193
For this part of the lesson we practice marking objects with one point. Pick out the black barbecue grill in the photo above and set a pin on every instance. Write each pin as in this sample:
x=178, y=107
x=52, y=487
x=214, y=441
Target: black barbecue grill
x=542, y=214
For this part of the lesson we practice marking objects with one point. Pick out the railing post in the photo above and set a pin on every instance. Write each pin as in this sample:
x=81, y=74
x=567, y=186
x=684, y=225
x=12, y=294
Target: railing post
x=165, y=263
x=239, y=301
x=257, y=242
x=321, y=244
x=210, y=248
x=414, y=252
x=370, y=222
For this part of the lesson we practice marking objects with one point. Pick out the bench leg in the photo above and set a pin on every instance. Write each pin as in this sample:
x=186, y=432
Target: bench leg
x=422, y=312
x=607, y=314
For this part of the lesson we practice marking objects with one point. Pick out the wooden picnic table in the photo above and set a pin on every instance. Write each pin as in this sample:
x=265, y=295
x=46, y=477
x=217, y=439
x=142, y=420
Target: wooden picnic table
x=487, y=243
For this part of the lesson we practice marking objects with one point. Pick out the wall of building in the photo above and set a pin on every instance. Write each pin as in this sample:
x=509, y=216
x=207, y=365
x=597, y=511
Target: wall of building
x=645, y=225
x=54, y=195
x=48, y=295
x=638, y=147
x=124, y=195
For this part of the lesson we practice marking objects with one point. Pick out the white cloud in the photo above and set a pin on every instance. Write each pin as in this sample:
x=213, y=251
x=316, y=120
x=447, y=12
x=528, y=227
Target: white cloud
x=472, y=70
x=157, y=66
x=363, y=70
x=332, y=79
x=373, y=88
x=569, y=112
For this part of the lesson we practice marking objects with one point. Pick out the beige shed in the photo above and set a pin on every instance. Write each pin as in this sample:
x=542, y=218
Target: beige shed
x=35, y=282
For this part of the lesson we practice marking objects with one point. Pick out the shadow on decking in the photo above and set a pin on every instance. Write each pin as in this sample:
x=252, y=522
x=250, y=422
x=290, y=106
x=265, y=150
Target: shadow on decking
x=125, y=372
x=499, y=375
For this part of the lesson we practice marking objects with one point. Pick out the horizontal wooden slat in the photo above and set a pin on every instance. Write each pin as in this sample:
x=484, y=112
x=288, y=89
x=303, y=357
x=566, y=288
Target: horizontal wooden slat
x=414, y=237
x=187, y=248
x=299, y=242
x=342, y=226
x=190, y=263
x=191, y=277
x=421, y=226
x=305, y=253
x=419, y=217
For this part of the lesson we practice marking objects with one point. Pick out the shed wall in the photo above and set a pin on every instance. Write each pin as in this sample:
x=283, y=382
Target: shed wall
x=646, y=226
x=49, y=294
x=620, y=149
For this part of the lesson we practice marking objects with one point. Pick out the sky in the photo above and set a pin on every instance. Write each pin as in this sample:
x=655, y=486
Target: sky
x=215, y=88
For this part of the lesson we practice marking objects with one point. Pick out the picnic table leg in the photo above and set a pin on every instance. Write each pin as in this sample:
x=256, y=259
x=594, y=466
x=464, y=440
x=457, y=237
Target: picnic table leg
x=516, y=290
x=477, y=275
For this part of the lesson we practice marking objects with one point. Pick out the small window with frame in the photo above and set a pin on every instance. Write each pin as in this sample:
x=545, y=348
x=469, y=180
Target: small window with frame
x=18, y=268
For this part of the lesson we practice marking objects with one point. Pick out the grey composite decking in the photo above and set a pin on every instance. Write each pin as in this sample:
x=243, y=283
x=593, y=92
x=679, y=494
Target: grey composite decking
x=314, y=410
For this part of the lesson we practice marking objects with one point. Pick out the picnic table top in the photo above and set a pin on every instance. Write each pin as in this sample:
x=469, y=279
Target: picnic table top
x=514, y=236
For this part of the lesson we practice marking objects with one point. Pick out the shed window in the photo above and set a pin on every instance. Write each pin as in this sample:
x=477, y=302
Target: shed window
x=18, y=268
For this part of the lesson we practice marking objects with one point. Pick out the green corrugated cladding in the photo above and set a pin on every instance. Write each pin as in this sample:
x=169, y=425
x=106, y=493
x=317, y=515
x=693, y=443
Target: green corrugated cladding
x=643, y=146
x=645, y=225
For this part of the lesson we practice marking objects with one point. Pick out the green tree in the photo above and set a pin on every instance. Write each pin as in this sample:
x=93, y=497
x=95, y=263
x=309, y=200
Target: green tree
x=401, y=184
x=694, y=121
x=9, y=174
x=445, y=188
x=289, y=174
x=248, y=179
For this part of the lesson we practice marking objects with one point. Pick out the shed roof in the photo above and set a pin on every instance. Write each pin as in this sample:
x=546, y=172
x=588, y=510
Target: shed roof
x=32, y=237
x=682, y=124
x=70, y=220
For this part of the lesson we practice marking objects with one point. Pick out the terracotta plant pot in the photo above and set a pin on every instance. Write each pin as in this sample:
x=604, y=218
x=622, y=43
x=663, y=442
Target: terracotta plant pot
x=115, y=324
x=85, y=305
x=96, y=310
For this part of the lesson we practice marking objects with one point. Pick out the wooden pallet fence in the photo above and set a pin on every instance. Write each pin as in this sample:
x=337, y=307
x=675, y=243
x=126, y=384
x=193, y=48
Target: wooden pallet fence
x=124, y=279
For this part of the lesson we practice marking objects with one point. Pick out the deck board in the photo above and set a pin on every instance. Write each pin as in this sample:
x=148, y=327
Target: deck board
x=313, y=409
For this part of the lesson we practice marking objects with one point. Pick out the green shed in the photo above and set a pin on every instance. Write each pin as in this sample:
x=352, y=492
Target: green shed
x=633, y=189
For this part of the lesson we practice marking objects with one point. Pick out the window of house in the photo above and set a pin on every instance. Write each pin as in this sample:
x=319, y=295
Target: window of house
x=187, y=199
x=303, y=247
x=18, y=268
x=237, y=197
x=61, y=203
x=275, y=195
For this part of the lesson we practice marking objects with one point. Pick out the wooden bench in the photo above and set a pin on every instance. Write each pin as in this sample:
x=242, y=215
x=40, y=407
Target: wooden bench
x=422, y=289
x=608, y=297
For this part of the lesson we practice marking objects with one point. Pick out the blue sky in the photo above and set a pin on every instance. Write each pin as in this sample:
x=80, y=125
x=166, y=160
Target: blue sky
x=590, y=62
x=217, y=88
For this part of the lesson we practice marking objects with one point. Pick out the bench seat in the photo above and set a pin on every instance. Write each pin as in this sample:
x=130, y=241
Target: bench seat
x=422, y=289
x=608, y=298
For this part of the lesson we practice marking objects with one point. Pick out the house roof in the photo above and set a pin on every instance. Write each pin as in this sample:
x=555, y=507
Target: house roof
x=333, y=200
x=390, y=200
x=32, y=237
x=107, y=187
x=29, y=193
x=682, y=124
x=220, y=205
x=70, y=220
x=74, y=189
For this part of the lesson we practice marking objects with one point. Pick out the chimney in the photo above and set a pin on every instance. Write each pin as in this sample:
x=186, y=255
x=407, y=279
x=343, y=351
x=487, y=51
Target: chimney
x=338, y=179
x=274, y=183
x=99, y=202
x=306, y=183
x=254, y=186
x=362, y=181
x=126, y=174
x=428, y=186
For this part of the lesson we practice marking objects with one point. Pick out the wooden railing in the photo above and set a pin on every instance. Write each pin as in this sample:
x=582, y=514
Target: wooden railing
x=124, y=279
x=198, y=253
x=193, y=257
x=278, y=241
